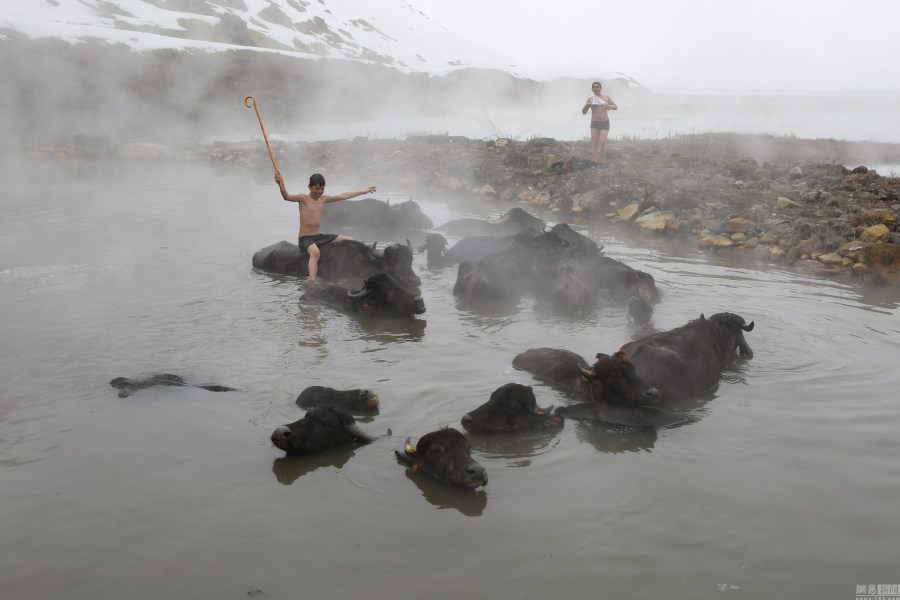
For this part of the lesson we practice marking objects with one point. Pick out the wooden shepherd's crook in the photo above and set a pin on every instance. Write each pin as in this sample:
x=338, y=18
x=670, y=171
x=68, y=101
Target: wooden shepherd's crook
x=250, y=102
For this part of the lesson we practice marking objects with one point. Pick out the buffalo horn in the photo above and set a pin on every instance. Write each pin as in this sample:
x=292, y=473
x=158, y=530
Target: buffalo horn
x=409, y=448
x=360, y=293
x=586, y=372
x=543, y=411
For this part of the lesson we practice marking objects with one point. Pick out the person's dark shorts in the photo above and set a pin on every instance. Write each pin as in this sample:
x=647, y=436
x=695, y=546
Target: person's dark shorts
x=600, y=125
x=320, y=239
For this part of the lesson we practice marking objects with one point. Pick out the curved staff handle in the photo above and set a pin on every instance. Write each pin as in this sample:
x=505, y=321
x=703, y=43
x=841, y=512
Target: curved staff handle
x=250, y=102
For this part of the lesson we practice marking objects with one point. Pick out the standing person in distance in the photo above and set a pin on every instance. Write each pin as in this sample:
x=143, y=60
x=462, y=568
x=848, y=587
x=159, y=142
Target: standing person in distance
x=599, y=104
x=311, y=205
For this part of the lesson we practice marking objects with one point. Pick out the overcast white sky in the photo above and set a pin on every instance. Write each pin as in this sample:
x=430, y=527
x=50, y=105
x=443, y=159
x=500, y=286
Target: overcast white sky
x=781, y=45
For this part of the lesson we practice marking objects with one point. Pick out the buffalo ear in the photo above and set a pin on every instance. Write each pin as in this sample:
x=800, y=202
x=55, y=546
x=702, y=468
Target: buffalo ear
x=602, y=357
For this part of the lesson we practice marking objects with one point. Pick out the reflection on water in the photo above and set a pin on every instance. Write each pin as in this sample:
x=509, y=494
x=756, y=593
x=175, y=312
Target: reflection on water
x=471, y=503
x=615, y=439
x=288, y=469
x=148, y=271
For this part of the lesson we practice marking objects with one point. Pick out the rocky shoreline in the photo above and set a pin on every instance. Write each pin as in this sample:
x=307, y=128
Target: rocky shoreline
x=785, y=200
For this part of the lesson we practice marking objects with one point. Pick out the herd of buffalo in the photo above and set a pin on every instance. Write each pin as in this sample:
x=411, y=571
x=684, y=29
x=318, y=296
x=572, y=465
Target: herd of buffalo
x=498, y=260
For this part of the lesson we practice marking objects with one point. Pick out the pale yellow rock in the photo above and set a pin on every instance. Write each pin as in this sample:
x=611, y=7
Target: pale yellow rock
x=876, y=233
x=657, y=222
x=627, y=212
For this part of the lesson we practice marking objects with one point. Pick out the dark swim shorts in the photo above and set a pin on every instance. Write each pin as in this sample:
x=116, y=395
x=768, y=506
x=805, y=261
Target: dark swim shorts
x=600, y=124
x=320, y=239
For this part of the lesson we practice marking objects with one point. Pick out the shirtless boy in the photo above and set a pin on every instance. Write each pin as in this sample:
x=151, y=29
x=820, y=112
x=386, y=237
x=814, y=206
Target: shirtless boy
x=599, y=104
x=311, y=217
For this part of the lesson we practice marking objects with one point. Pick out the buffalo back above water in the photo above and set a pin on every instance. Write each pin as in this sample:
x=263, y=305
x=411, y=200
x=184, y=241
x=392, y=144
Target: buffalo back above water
x=128, y=386
x=688, y=360
x=513, y=221
x=355, y=400
x=444, y=454
x=379, y=295
x=372, y=213
x=339, y=259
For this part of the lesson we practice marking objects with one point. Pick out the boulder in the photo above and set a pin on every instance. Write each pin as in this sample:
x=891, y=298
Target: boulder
x=884, y=261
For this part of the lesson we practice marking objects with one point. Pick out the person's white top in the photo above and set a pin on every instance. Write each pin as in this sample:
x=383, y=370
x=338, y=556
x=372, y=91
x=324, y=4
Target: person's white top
x=598, y=101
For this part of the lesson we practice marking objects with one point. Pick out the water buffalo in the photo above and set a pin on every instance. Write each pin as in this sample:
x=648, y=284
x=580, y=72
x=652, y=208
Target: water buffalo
x=469, y=248
x=566, y=287
x=499, y=276
x=127, y=386
x=610, y=380
x=508, y=274
x=343, y=258
x=640, y=318
x=580, y=243
x=688, y=360
x=321, y=428
x=445, y=455
x=355, y=401
x=511, y=407
x=377, y=215
x=380, y=295
x=619, y=282
x=513, y=221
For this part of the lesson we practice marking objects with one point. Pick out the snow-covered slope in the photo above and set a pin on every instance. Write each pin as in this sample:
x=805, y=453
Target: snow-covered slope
x=388, y=32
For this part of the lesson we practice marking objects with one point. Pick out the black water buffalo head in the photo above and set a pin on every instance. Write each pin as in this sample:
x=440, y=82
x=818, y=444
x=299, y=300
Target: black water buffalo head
x=733, y=327
x=445, y=455
x=398, y=260
x=611, y=379
x=321, y=428
x=511, y=407
x=356, y=400
x=410, y=216
x=640, y=312
x=434, y=245
x=381, y=295
x=614, y=380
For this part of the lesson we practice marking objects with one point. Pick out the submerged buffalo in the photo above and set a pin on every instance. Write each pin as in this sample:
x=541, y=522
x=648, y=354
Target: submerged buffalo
x=511, y=407
x=513, y=221
x=355, y=401
x=559, y=266
x=341, y=258
x=380, y=296
x=689, y=360
x=445, y=455
x=469, y=248
x=128, y=386
x=377, y=215
x=610, y=380
x=321, y=428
